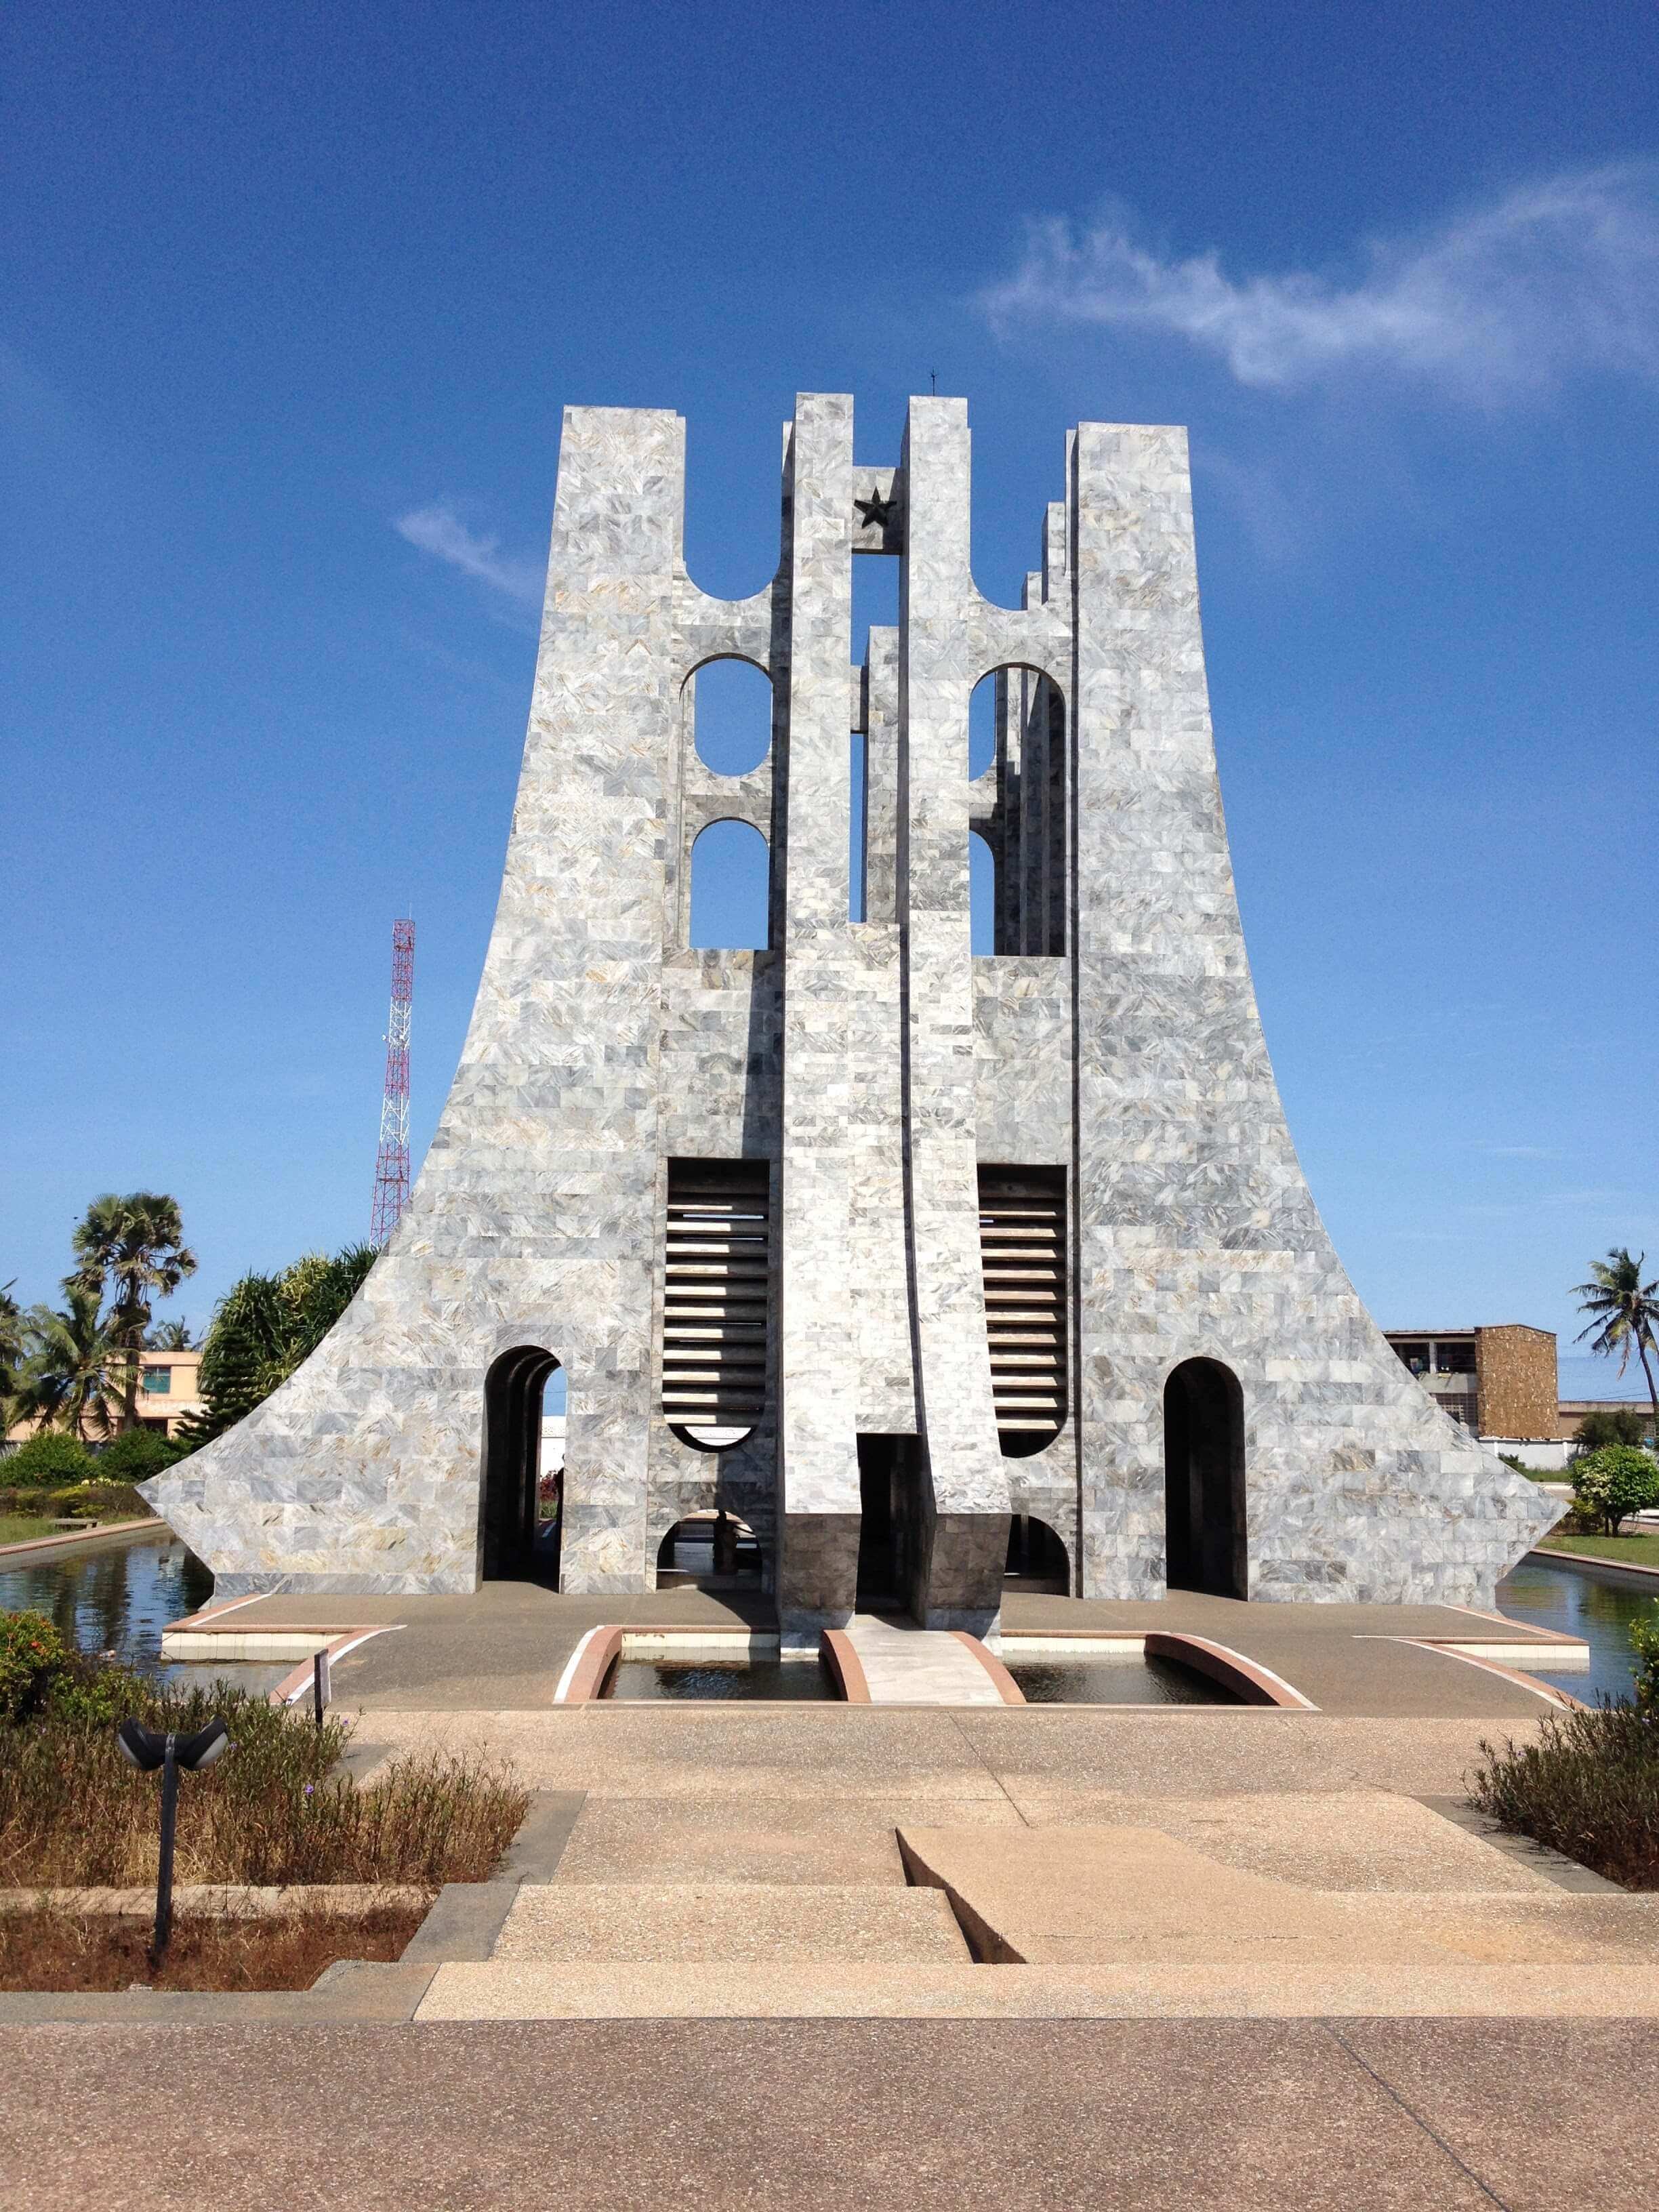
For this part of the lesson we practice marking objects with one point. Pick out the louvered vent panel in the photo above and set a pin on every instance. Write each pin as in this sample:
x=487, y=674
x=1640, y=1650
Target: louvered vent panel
x=718, y=1269
x=1022, y=1236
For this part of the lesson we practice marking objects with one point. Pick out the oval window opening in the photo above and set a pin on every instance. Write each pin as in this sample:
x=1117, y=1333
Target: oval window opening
x=730, y=708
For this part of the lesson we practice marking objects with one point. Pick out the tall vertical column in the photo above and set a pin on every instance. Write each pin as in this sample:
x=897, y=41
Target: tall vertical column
x=818, y=1520
x=965, y=1502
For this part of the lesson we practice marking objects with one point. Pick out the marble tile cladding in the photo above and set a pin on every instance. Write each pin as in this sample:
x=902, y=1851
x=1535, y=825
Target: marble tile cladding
x=872, y=1063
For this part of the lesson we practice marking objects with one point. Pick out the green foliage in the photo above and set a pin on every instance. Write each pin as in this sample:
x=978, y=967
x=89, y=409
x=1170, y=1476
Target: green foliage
x=170, y=1336
x=133, y=1247
x=1614, y=1425
x=66, y=1380
x=264, y=1327
x=1588, y=1784
x=1644, y=1644
x=48, y=1458
x=1623, y=1315
x=1614, y=1481
x=32, y=1652
x=136, y=1455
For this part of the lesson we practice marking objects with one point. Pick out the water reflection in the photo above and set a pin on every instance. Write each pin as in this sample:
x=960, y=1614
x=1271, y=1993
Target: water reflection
x=1129, y=1680
x=1599, y=1610
x=651, y=1680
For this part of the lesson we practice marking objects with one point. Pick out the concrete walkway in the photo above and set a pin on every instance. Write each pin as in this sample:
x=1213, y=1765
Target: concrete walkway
x=793, y=2116
x=904, y=1665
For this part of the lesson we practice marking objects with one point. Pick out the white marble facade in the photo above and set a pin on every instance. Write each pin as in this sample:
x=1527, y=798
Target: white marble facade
x=873, y=1066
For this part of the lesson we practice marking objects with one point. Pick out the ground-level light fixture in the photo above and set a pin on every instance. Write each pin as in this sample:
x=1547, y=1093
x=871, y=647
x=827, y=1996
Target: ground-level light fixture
x=147, y=1749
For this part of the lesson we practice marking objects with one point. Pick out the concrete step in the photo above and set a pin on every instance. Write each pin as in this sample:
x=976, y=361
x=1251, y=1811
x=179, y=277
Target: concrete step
x=830, y=1843
x=726, y=1924
x=907, y=1666
x=786, y=1989
x=1140, y=1898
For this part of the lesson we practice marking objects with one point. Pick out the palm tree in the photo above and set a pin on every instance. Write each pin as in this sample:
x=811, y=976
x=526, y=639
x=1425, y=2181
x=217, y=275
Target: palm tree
x=134, y=1245
x=64, y=1380
x=11, y=1349
x=1624, y=1314
x=171, y=1336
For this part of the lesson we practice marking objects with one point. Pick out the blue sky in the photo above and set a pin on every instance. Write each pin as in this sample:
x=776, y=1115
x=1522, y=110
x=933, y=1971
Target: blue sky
x=294, y=298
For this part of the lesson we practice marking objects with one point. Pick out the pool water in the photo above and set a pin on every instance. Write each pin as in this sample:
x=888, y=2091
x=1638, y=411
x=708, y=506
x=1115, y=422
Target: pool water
x=118, y=1596
x=1130, y=1679
x=651, y=1681
x=1598, y=1609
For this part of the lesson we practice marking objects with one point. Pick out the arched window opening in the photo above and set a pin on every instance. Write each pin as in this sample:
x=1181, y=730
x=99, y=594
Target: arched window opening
x=1021, y=1241
x=981, y=895
x=1206, y=1539
x=717, y=1273
x=521, y=1499
x=709, y=1551
x=730, y=888
x=730, y=706
x=1037, y=1560
x=1016, y=737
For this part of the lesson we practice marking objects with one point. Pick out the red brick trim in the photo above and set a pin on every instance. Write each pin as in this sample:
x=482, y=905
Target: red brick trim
x=839, y=1655
x=1252, y=1683
x=1008, y=1689
x=599, y=1653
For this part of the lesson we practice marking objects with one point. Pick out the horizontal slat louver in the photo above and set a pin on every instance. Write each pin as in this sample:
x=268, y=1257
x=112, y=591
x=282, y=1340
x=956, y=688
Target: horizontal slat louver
x=716, y=1272
x=1022, y=1231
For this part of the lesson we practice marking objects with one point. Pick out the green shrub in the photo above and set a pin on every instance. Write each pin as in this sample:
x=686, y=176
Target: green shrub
x=1614, y=1425
x=1613, y=1482
x=1644, y=1644
x=136, y=1455
x=49, y=1458
x=1588, y=1785
x=32, y=1655
x=103, y=1501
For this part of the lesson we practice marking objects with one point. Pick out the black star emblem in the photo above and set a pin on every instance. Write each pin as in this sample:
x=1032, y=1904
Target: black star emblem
x=874, y=513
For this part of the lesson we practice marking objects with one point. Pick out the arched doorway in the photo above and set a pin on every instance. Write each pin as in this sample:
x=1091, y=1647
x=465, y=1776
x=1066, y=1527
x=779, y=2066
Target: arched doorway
x=517, y=1525
x=1205, y=1536
x=1036, y=1557
x=709, y=1551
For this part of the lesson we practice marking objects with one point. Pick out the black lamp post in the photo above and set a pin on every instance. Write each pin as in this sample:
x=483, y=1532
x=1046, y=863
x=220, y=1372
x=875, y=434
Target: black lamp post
x=147, y=1749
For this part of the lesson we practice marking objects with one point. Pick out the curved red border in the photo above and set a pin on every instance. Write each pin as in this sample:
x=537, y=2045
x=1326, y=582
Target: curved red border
x=839, y=1655
x=587, y=1683
x=1250, y=1684
x=1008, y=1689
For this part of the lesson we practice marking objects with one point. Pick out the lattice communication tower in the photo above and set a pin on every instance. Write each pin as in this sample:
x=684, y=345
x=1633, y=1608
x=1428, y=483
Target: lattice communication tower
x=391, y=1164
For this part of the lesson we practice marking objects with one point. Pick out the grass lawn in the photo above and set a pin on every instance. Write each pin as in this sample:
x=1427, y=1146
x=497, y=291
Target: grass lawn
x=18, y=1528
x=1640, y=1551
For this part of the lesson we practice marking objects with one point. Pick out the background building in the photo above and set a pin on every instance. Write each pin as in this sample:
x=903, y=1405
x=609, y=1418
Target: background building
x=169, y=1390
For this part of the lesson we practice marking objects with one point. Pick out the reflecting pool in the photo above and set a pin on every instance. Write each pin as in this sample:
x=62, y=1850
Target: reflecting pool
x=1598, y=1607
x=1125, y=1680
x=796, y=1682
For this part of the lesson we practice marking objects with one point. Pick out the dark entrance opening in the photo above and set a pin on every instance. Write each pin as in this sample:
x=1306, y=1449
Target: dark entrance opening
x=519, y=1526
x=1204, y=1479
x=889, y=1503
x=1036, y=1557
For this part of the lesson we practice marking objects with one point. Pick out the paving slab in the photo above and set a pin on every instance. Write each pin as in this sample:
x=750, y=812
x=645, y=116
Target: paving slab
x=728, y=1924
x=713, y=1751
x=904, y=1665
x=1509, y=2100
x=1346, y=1839
x=631, y=2116
x=753, y=1838
x=1139, y=1897
x=525, y=1989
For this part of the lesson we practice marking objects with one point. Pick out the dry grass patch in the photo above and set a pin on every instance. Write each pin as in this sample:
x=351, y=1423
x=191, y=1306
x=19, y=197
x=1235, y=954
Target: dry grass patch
x=99, y=1951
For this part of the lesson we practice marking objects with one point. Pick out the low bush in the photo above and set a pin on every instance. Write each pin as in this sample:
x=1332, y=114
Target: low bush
x=1614, y=1482
x=1588, y=1786
x=73, y=1814
x=137, y=1456
x=49, y=1458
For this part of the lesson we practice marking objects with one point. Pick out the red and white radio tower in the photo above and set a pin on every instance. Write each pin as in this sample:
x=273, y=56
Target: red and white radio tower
x=391, y=1164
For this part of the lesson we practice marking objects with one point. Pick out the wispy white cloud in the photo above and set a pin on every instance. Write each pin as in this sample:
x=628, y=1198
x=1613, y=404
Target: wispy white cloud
x=1553, y=280
x=438, y=529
